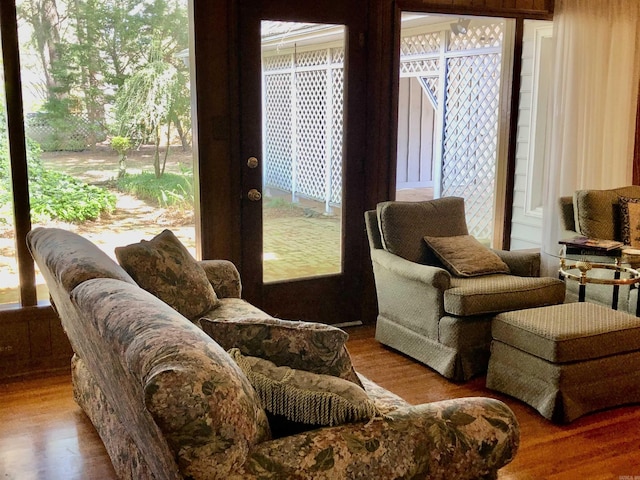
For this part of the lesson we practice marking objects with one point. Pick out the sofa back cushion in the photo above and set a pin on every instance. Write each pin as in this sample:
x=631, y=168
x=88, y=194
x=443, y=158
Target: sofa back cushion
x=597, y=212
x=403, y=226
x=71, y=259
x=200, y=400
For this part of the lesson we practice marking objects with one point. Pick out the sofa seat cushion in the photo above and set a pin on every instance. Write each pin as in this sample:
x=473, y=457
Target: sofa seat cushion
x=232, y=308
x=164, y=267
x=569, y=332
x=310, y=346
x=305, y=397
x=500, y=293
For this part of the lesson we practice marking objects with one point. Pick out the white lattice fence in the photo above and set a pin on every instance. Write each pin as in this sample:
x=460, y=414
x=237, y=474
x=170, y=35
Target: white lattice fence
x=470, y=137
x=278, y=131
x=304, y=125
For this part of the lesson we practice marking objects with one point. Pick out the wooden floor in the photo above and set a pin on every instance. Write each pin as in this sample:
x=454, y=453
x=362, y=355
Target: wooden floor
x=44, y=434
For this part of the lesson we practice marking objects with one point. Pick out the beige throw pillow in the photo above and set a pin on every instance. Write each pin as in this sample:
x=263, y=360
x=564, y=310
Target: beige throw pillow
x=164, y=267
x=630, y=221
x=464, y=256
x=305, y=397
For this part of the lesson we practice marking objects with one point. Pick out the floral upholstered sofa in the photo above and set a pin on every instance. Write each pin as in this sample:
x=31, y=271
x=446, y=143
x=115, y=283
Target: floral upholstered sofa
x=169, y=402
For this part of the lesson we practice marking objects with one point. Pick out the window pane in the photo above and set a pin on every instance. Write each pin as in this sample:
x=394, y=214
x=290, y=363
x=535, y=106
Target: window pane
x=9, y=280
x=448, y=113
x=303, y=94
x=108, y=119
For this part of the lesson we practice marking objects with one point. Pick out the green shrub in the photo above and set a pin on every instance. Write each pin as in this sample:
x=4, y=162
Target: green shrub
x=53, y=195
x=170, y=190
x=59, y=196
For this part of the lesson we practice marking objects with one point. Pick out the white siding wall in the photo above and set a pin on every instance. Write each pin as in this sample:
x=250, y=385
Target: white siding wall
x=526, y=226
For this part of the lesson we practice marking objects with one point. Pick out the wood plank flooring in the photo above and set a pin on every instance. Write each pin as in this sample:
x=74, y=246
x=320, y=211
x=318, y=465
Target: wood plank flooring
x=45, y=436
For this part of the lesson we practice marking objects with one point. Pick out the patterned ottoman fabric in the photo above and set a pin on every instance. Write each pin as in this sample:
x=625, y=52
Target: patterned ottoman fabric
x=566, y=360
x=569, y=332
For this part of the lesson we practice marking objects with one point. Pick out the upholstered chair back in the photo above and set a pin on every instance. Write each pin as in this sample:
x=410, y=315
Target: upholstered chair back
x=597, y=212
x=403, y=226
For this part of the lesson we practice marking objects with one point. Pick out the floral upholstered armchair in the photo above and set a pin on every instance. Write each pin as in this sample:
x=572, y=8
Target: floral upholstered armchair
x=438, y=288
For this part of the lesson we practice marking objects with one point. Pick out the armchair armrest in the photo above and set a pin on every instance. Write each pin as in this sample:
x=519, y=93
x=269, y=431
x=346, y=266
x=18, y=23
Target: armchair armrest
x=429, y=275
x=410, y=293
x=224, y=277
x=521, y=263
x=464, y=438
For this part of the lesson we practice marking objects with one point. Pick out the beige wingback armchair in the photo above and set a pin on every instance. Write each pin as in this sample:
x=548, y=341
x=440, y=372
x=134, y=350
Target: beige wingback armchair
x=424, y=311
x=597, y=213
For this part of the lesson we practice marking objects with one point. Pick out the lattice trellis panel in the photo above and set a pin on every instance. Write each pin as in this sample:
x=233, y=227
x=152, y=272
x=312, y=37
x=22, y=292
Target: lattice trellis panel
x=420, y=44
x=335, y=196
x=431, y=84
x=311, y=117
x=311, y=59
x=304, y=162
x=277, y=62
x=278, y=131
x=470, y=137
x=337, y=55
x=478, y=36
x=428, y=65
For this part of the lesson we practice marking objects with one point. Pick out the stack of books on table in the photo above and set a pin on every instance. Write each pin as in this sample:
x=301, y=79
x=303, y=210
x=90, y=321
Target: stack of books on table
x=591, y=246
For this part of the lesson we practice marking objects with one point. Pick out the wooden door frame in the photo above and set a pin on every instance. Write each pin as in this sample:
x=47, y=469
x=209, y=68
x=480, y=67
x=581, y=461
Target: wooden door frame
x=325, y=288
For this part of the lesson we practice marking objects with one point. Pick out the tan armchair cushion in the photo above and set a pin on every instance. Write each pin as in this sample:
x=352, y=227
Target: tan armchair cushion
x=501, y=293
x=465, y=256
x=403, y=226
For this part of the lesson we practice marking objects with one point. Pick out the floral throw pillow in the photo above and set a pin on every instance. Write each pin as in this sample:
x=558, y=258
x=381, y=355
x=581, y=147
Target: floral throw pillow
x=305, y=397
x=314, y=347
x=630, y=221
x=164, y=267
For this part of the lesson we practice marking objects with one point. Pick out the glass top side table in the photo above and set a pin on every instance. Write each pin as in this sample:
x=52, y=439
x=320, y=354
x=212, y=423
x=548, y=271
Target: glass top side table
x=581, y=268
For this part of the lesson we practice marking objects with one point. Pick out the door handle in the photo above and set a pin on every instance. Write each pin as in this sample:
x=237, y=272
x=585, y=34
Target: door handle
x=254, y=195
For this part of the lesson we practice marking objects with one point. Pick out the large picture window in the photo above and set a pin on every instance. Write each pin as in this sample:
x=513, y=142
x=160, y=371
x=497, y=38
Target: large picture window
x=107, y=121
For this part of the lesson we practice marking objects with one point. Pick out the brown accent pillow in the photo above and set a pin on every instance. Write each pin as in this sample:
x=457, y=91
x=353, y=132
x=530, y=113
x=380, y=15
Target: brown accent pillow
x=164, y=267
x=464, y=256
x=630, y=216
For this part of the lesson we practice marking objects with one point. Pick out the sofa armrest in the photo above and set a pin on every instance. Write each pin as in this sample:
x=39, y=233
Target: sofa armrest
x=521, y=263
x=464, y=438
x=224, y=277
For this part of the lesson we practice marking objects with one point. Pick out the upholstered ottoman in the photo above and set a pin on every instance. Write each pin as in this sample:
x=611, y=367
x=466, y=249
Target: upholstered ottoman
x=566, y=360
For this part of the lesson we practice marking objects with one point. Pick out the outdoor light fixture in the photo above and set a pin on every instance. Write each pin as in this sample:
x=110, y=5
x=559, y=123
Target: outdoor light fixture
x=460, y=28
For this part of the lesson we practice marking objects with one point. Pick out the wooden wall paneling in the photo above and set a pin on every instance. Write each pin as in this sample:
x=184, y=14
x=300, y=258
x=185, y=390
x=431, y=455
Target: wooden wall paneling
x=215, y=139
x=636, y=156
x=513, y=134
x=32, y=342
x=534, y=9
x=383, y=47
